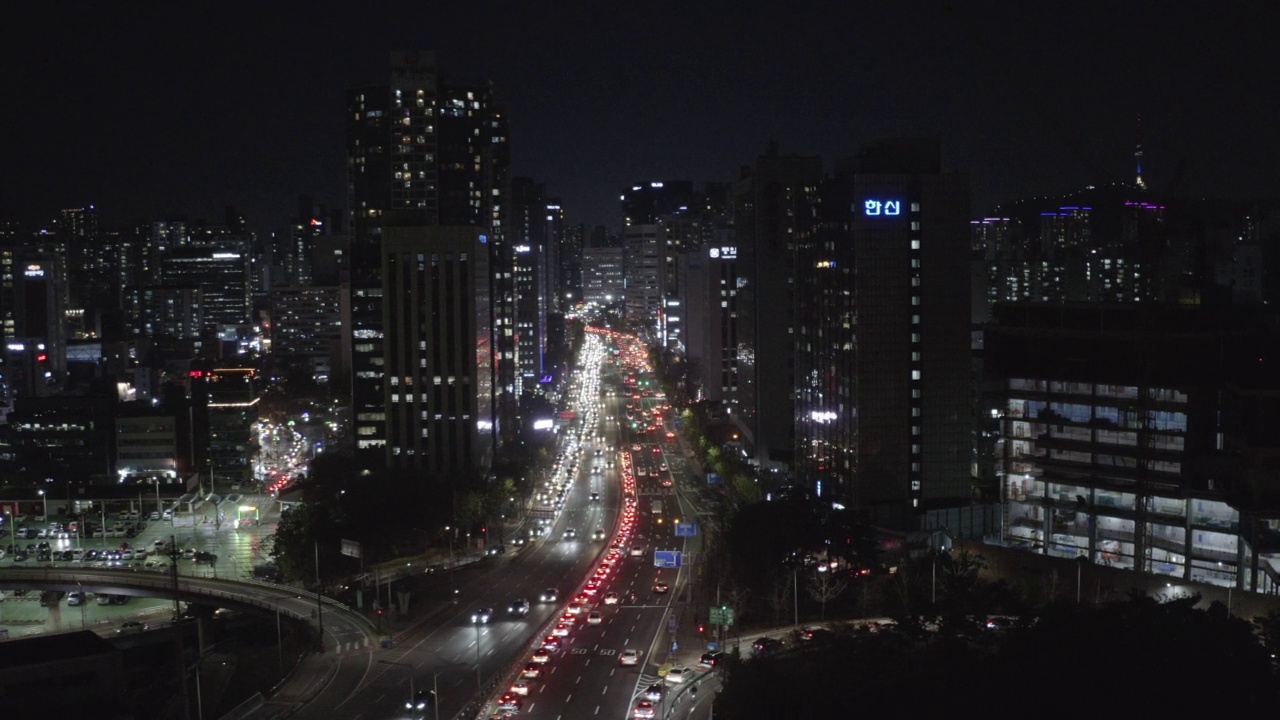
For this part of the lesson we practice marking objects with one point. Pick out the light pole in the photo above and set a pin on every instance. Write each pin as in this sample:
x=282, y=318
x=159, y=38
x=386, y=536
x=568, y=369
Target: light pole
x=279, y=639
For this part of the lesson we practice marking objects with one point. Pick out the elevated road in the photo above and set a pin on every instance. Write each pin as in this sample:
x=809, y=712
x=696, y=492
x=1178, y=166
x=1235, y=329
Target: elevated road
x=344, y=629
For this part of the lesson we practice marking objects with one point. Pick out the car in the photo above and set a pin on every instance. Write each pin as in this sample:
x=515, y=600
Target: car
x=541, y=656
x=570, y=534
x=598, y=534
x=595, y=497
x=510, y=702
x=560, y=630
x=660, y=588
x=710, y=659
x=532, y=670
x=765, y=645
x=595, y=618
x=75, y=597
x=637, y=551
x=520, y=541
x=814, y=633
x=575, y=608
x=481, y=616
x=551, y=642
x=644, y=709
x=103, y=599
x=677, y=675
x=130, y=626
x=654, y=692
x=549, y=595
x=518, y=608
x=494, y=550
x=629, y=657
x=154, y=515
x=201, y=556
x=419, y=702
x=519, y=687
x=611, y=598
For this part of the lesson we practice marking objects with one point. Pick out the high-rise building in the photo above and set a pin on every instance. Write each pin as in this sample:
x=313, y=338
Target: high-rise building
x=439, y=398
x=603, y=276
x=572, y=242
x=225, y=405
x=644, y=256
x=421, y=154
x=708, y=322
x=534, y=290
x=774, y=201
x=883, y=368
x=221, y=272
x=306, y=327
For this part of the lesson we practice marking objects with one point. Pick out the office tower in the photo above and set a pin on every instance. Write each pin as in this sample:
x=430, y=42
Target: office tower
x=474, y=158
x=89, y=260
x=572, y=242
x=439, y=396
x=225, y=408
x=603, y=276
x=33, y=295
x=391, y=178
x=644, y=253
x=306, y=328
x=708, y=322
x=534, y=289
x=220, y=271
x=883, y=369
x=420, y=154
x=773, y=203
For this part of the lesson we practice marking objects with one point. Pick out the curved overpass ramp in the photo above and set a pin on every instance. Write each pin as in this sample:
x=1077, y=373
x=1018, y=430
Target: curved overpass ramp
x=344, y=629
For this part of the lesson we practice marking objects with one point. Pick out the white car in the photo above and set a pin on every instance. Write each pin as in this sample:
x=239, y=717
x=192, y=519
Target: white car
x=629, y=657
x=677, y=675
x=611, y=598
x=595, y=618
x=519, y=687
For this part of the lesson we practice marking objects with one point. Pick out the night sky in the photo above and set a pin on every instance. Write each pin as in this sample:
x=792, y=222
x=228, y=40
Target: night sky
x=148, y=114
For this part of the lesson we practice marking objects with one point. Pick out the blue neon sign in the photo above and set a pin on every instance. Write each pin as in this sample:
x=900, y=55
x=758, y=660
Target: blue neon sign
x=873, y=208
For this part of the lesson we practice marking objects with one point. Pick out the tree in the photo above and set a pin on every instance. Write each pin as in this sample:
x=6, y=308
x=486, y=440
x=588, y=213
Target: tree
x=779, y=595
x=824, y=587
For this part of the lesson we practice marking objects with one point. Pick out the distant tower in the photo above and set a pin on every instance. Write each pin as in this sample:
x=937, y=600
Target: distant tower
x=1137, y=157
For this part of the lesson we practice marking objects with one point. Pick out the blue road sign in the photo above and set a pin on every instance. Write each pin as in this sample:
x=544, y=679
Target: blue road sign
x=673, y=624
x=677, y=422
x=666, y=558
x=714, y=479
x=686, y=529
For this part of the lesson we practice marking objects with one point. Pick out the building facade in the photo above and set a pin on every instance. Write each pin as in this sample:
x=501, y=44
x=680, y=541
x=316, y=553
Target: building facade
x=439, y=398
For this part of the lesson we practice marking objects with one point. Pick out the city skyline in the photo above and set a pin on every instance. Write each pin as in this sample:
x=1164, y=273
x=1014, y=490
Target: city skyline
x=184, y=114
